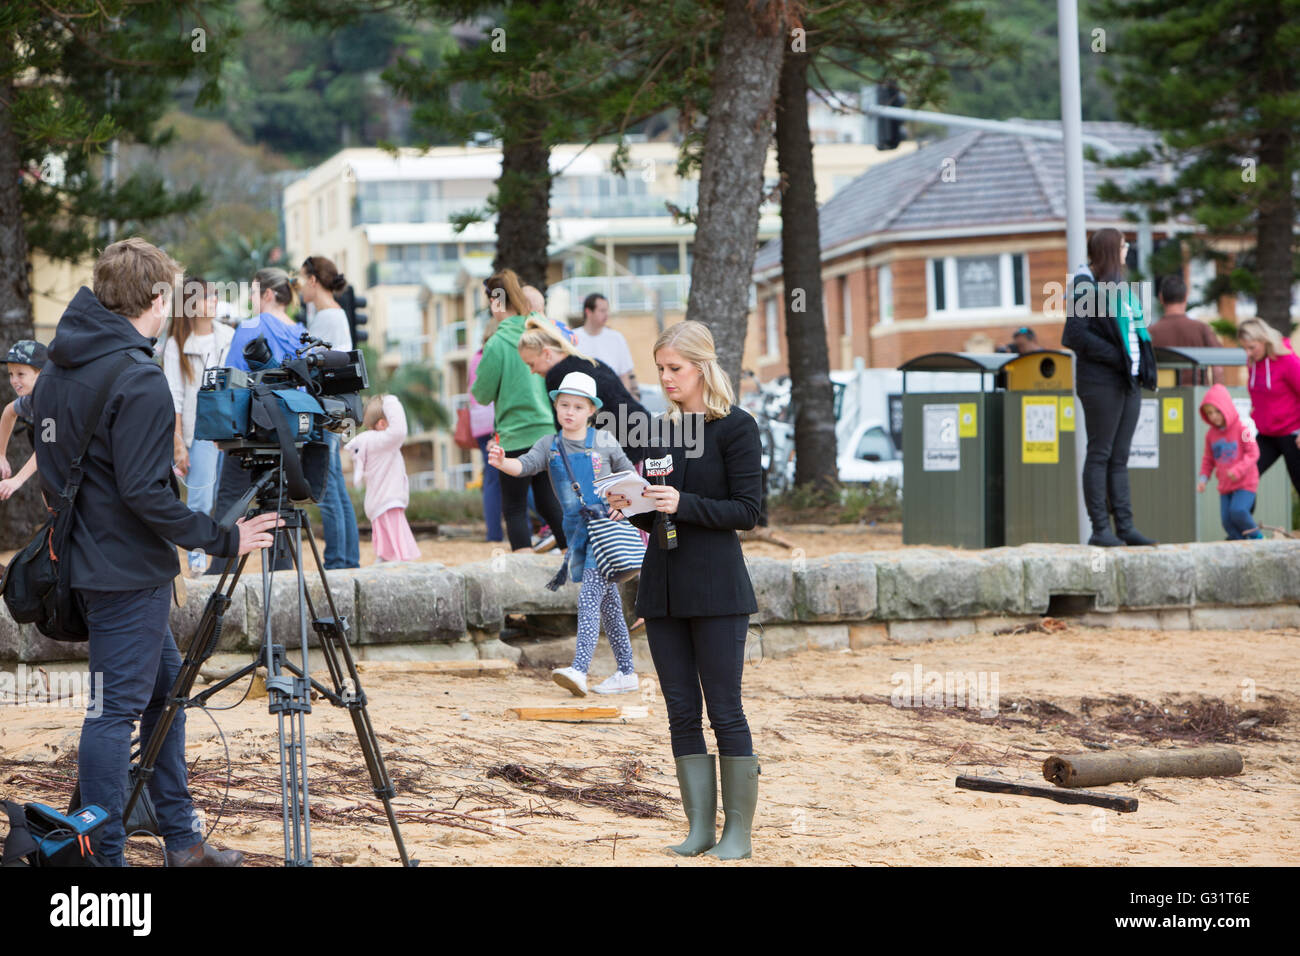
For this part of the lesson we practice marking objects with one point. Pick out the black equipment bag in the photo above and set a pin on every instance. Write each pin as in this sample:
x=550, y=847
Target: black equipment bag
x=36, y=586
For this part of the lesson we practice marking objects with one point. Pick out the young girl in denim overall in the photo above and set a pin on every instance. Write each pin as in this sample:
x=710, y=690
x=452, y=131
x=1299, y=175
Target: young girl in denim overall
x=592, y=454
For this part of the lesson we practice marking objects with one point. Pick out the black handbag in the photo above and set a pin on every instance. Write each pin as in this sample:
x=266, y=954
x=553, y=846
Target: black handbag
x=36, y=584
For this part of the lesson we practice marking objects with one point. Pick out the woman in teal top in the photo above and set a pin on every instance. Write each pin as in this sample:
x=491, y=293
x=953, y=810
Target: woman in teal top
x=1114, y=361
x=523, y=412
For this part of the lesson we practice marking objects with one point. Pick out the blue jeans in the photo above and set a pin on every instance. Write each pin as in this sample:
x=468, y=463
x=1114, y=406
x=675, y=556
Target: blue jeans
x=342, y=541
x=1234, y=509
x=201, y=482
x=491, y=494
x=132, y=651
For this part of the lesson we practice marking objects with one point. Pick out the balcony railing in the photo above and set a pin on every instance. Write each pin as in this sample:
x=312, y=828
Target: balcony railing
x=401, y=273
x=451, y=338
x=633, y=293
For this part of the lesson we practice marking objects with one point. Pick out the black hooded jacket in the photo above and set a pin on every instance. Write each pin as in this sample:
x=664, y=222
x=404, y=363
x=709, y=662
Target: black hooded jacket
x=128, y=517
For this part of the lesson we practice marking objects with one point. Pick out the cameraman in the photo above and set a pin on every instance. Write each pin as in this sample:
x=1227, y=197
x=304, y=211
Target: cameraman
x=127, y=521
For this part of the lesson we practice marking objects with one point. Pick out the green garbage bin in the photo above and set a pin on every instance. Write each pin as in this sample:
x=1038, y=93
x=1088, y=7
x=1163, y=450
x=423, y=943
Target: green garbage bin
x=1166, y=454
x=1041, y=491
x=952, y=454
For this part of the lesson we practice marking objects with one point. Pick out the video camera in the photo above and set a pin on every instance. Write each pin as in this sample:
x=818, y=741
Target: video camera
x=278, y=413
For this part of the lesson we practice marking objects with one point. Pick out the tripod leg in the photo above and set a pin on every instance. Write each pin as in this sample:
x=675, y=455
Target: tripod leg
x=332, y=632
x=199, y=648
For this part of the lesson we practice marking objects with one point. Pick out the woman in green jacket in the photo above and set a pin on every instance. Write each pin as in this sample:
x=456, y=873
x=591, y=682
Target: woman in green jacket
x=523, y=411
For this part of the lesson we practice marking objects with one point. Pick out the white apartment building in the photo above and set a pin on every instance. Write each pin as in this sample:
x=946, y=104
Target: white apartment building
x=383, y=219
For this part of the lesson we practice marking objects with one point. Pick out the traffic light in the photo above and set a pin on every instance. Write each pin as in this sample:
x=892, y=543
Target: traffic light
x=889, y=132
x=352, y=304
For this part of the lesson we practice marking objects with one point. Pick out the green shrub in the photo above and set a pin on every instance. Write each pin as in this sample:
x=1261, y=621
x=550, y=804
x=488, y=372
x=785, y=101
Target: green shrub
x=852, y=504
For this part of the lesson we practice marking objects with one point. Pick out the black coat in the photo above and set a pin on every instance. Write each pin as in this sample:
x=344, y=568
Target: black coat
x=705, y=575
x=1092, y=333
x=128, y=518
x=613, y=394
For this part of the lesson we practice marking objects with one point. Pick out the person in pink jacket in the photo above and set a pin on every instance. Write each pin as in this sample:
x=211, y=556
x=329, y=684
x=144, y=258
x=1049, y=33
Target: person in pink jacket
x=1274, y=395
x=378, y=464
x=1230, y=455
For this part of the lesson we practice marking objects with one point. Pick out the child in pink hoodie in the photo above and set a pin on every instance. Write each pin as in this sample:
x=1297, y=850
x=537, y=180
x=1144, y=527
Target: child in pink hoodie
x=377, y=462
x=1231, y=454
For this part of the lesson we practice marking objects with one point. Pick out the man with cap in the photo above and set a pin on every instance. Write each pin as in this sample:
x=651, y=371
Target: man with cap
x=24, y=361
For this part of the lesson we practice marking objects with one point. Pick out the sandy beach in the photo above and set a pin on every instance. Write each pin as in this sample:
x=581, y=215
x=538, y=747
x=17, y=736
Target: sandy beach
x=847, y=779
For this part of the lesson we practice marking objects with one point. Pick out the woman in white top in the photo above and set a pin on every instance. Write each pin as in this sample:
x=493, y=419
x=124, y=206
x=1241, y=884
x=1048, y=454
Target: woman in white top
x=197, y=342
x=318, y=282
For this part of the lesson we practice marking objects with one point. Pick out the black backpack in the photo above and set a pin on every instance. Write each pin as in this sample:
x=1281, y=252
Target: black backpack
x=35, y=585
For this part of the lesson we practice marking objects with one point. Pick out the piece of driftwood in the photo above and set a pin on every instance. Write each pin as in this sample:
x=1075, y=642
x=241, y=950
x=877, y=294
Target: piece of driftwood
x=481, y=668
x=1109, y=801
x=1117, y=766
x=578, y=713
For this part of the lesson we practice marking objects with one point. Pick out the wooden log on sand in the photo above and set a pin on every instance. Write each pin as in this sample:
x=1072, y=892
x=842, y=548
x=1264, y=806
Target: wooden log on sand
x=1116, y=766
x=1109, y=801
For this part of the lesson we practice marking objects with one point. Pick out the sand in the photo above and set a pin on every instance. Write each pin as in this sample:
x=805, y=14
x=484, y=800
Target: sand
x=843, y=782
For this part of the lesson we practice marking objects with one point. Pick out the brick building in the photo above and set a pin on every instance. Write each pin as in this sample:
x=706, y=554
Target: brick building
x=950, y=248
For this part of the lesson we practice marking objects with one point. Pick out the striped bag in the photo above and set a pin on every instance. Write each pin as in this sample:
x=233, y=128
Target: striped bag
x=616, y=545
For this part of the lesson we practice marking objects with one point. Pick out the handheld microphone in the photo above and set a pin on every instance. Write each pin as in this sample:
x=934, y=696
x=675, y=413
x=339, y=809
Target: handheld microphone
x=665, y=530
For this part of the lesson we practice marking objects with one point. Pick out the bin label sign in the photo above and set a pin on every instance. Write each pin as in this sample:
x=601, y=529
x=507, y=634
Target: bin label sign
x=941, y=449
x=1067, y=413
x=1039, y=442
x=1145, y=450
x=967, y=425
x=1171, y=423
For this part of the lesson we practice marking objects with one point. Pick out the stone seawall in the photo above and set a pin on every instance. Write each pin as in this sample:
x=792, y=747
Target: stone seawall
x=432, y=611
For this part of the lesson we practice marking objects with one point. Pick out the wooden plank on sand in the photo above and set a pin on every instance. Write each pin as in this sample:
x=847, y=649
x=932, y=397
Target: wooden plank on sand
x=578, y=713
x=1092, y=798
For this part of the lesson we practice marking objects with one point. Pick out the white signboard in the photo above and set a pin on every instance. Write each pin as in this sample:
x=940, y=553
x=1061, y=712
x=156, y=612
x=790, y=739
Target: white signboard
x=1145, y=450
x=941, y=448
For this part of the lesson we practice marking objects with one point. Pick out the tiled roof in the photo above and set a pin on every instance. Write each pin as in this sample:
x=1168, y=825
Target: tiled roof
x=993, y=179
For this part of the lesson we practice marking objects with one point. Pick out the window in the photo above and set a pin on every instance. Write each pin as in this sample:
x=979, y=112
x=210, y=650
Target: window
x=320, y=215
x=885, y=277
x=979, y=287
x=772, y=330
x=846, y=306
x=874, y=446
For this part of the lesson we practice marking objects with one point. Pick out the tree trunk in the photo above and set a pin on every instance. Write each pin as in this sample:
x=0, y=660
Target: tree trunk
x=23, y=512
x=731, y=176
x=805, y=323
x=523, y=203
x=1274, y=261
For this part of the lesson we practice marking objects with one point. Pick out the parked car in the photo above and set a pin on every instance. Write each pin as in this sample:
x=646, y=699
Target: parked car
x=870, y=455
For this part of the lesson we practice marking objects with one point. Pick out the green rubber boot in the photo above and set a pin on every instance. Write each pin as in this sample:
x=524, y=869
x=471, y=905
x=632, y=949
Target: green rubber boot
x=739, y=798
x=697, y=776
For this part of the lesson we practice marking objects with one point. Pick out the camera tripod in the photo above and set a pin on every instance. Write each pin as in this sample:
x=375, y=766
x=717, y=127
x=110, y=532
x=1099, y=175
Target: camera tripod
x=288, y=685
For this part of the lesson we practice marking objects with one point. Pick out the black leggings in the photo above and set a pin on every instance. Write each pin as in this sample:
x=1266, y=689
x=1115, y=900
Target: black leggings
x=1271, y=447
x=708, y=652
x=514, y=506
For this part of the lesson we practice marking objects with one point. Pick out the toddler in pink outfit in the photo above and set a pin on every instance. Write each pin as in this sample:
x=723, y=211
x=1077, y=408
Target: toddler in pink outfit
x=377, y=462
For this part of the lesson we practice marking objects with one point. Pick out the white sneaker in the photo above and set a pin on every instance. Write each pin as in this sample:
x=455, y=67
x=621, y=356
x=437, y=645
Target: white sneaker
x=618, y=683
x=574, y=680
